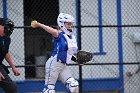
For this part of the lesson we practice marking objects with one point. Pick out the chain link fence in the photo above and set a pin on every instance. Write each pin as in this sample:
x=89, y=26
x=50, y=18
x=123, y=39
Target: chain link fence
x=108, y=28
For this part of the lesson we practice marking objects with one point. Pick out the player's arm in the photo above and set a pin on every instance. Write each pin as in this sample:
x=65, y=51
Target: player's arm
x=54, y=32
x=8, y=58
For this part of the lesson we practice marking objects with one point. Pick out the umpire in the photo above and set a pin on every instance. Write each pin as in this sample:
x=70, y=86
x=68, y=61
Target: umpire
x=6, y=83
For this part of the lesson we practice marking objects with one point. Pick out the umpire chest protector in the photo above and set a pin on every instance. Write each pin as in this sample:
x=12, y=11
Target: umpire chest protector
x=4, y=47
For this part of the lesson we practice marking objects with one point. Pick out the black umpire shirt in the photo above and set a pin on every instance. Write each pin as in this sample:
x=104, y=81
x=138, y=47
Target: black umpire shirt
x=4, y=47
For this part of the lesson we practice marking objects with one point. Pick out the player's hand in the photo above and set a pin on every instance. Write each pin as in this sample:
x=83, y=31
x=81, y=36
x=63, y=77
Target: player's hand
x=16, y=72
x=1, y=76
x=34, y=24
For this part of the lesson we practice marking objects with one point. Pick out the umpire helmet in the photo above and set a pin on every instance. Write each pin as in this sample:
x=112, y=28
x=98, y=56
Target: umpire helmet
x=8, y=26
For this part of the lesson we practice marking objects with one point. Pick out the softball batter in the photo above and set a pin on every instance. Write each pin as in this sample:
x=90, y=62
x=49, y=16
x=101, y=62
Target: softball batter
x=64, y=49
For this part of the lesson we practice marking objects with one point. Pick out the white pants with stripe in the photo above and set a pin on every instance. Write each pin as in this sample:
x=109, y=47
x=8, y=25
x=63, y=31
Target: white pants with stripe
x=56, y=71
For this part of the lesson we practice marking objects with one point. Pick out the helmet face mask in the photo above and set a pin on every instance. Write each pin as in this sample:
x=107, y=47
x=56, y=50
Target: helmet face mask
x=65, y=18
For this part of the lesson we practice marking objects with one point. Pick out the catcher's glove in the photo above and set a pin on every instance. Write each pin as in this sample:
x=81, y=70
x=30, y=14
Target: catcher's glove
x=83, y=57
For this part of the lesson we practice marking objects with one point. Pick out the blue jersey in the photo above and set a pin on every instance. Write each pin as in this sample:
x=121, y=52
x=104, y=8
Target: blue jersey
x=55, y=47
x=61, y=47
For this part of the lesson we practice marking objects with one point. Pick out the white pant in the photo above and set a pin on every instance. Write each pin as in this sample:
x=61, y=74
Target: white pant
x=56, y=70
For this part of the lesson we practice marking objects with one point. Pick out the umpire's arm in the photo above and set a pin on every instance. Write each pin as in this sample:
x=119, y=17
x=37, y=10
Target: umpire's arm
x=9, y=59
